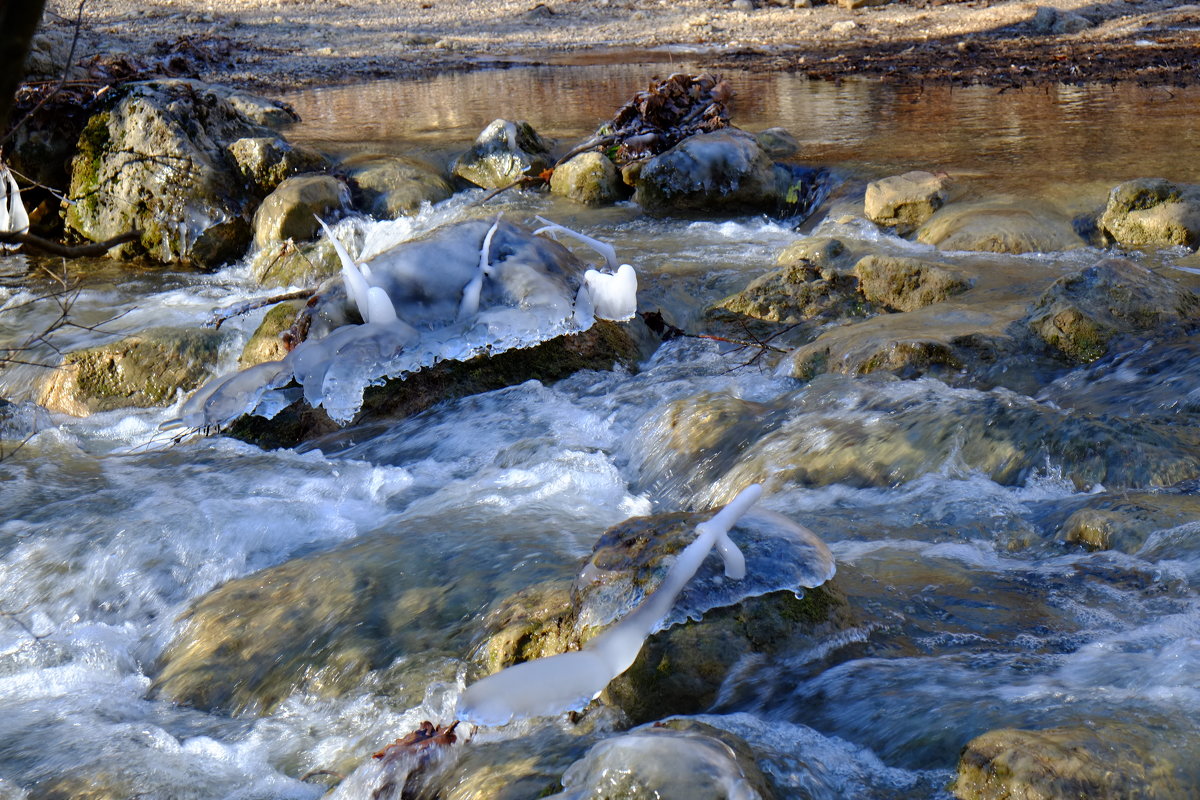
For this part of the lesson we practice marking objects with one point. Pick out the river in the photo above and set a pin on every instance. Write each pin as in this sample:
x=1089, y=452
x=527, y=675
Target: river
x=974, y=613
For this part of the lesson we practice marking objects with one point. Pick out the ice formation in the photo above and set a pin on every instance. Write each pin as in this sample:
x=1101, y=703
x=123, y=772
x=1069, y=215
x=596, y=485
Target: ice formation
x=442, y=297
x=13, y=218
x=569, y=681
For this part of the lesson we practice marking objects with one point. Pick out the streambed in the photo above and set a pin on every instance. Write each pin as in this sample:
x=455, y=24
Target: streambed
x=972, y=610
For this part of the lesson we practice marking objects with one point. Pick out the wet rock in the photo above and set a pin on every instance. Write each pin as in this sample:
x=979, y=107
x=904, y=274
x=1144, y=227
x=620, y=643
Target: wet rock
x=710, y=172
x=679, y=669
x=603, y=346
x=821, y=251
x=146, y=369
x=795, y=293
x=1048, y=20
x=905, y=202
x=678, y=759
x=885, y=431
x=265, y=161
x=1081, y=313
x=504, y=152
x=390, y=186
x=1127, y=520
x=588, y=178
x=777, y=142
x=47, y=58
x=266, y=343
x=1152, y=213
x=157, y=161
x=289, y=264
x=906, y=284
x=318, y=624
x=1076, y=761
x=291, y=211
x=999, y=227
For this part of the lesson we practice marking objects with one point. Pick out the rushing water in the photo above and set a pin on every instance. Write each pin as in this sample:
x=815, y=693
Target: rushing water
x=974, y=614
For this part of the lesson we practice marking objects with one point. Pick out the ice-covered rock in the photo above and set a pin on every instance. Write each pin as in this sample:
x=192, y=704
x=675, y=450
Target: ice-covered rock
x=464, y=290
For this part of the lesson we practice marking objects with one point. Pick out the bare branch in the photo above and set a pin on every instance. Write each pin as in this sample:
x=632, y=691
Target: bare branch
x=67, y=251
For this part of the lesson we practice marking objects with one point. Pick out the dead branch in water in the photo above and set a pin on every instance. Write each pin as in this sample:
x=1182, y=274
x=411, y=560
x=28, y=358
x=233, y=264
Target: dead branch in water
x=68, y=251
x=250, y=305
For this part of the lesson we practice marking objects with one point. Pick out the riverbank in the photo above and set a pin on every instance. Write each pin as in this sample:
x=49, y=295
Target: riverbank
x=288, y=43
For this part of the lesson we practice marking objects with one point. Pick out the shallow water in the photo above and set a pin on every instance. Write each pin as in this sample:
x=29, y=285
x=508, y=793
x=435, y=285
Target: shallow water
x=973, y=613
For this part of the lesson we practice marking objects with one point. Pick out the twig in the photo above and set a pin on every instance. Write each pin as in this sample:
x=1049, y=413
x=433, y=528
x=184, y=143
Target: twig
x=66, y=251
x=595, y=141
x=245, y=308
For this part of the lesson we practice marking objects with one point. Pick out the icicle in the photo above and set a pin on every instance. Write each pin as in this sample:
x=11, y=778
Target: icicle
x=603, y=248
x=469, y=306
x=352, y=274
x=379, y=307
x=613, y=296
x=13, y=218
x=568, y=681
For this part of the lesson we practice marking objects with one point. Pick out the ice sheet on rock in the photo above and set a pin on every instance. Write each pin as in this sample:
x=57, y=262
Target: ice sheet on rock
x=463, y=290
x=780, y=555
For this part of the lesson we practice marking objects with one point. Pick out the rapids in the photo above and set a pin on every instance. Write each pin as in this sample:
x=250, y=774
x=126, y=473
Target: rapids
x=975, y=613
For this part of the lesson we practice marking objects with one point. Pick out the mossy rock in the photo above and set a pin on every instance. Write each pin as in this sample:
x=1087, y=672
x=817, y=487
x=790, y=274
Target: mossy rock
x=266, y=161
x=143, y=370
x=1110, y=761
x=603, y=346
x=387, y=187
x=265, y=344
x=906, y=284
x=291, y=211
x=504, y=152
x=1081, y=313
x=822, y=252
x=1152, y=213
x=287, y=263
x=999, y=226
x=792, y=294
x=590, y=179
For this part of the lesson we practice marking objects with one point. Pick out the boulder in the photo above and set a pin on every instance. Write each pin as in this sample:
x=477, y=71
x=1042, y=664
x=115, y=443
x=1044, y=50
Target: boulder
x=388, y=187
x=906, y=284
x=503, y=153
x=1115, y=761
x=291, y=211
x=289, y=264
x=999, y=226
x=1126, y=521
x=588, y=178
x=1079, y=315
x=266, y=161
x=146, y=369
x=1152, y=213
x=722, y=171
x=680, y=669
x=318, y=623
x=795, y=293
x=822, y=252
x=266, y=344
x=603, y=346
x=905, y=202
x=157, y=160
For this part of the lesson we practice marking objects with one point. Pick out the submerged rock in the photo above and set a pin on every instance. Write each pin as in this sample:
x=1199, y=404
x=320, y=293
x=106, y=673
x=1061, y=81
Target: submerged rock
x=884, y=432
x=999, y=227
x=680, y=668
x=588, y=178
x=158, y=161
x=1081, y=313
x=1078, y=761
x=905, y=202
x=710, y=172
x=291, y=211
x=503, y=153
x=777, y=142
x=389, y=186
x=1152, y=212
x=1128, y=520
x=678, y=759
x=318, y=624
x=149, y=368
